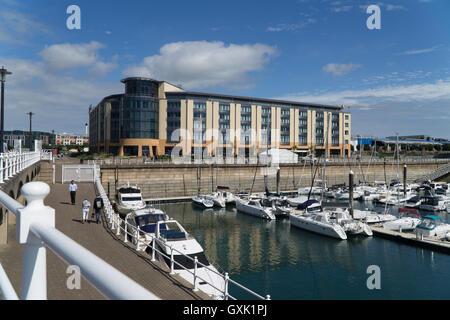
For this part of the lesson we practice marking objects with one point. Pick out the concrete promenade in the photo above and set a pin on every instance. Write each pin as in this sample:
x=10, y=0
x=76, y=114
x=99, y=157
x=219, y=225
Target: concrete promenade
x=100, y=241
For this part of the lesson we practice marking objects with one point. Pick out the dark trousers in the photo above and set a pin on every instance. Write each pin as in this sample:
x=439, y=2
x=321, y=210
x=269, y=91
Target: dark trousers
x=98, y=215
x=72, y=196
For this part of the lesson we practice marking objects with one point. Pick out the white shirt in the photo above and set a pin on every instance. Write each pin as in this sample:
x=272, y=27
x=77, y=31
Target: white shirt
x=73, y=187
x=86, y=204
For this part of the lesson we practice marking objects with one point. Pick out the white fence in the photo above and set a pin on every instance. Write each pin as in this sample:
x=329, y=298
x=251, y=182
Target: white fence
x=78, y=173
x=121, y=226
x=12, y=163
x=35, y=230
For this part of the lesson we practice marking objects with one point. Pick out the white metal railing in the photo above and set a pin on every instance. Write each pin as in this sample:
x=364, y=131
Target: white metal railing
x=119, y=225
x=35, y=230
x=12, y=163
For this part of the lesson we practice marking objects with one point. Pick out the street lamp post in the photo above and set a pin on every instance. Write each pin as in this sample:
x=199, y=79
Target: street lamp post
x=3, y=74
x=31, y=132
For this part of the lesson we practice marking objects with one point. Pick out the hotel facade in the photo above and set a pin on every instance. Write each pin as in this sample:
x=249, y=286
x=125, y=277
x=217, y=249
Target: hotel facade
x=155, y=118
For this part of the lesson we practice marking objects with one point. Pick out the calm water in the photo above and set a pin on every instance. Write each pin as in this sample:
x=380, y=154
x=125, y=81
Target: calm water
x=289, y=263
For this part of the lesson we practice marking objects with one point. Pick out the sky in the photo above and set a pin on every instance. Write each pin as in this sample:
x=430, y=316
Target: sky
x=318, y=51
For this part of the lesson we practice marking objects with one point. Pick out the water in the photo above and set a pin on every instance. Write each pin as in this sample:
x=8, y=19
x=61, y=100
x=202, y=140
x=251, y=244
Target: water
x=271, y=257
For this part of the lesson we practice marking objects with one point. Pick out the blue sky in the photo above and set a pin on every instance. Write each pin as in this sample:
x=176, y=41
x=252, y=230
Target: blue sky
x=306, y=50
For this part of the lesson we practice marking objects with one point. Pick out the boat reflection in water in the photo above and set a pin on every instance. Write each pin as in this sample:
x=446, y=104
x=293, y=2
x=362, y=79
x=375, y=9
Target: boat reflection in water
x=272, y=257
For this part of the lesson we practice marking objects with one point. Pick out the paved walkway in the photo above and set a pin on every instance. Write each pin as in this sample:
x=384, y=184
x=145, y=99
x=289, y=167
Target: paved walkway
x=100, y=241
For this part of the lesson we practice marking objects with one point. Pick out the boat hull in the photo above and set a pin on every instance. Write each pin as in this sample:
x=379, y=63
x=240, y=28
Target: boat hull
x=333, y=231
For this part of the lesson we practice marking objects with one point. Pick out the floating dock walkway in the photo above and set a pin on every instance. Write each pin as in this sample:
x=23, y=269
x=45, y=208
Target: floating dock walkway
x=433, y=244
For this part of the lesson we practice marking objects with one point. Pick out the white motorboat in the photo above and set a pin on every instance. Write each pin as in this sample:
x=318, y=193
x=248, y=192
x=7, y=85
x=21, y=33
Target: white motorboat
x=307, y=190
x=371, y=217
x=413, y=202
x=129, y=198
x=409, y=220
x=145, y=220
x=345, y=195
x=318, y=222
x=432, y=226
x=434, y=203
x=171, y=235
x=370, y=196
x=217, y=198
x=201, y=201
x=253, y=207
x=227, y=195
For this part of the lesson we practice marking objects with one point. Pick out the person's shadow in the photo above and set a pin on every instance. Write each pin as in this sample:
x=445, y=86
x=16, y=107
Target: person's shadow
x=65, y=203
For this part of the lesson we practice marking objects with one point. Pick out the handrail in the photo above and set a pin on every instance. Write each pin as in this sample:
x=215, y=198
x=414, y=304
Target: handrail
x=116, y=223
x=35, y=229
x=6, y=287
x=105, y=278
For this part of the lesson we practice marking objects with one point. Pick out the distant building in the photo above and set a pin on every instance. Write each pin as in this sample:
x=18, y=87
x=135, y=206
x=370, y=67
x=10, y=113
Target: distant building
x=145, y=120
x=70, y=139
x=46, y=137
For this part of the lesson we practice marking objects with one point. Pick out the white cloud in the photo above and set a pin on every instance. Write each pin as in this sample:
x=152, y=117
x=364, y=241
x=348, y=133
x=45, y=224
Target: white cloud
x=68, y=56
x=340, y=69
x=419, y=51
x=18, y=28
x=203, y=64
x=342, y=9
x=59, y=102
x=438, y=90
x=291, y=27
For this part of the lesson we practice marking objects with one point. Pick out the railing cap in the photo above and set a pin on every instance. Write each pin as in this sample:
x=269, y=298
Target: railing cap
x=35, y=192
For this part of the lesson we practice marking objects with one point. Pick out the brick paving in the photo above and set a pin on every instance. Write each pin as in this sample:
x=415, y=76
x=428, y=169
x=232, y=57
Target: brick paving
x=100, y=241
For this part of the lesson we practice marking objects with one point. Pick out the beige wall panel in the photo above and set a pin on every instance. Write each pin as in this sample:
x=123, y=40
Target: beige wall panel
x=163, y=119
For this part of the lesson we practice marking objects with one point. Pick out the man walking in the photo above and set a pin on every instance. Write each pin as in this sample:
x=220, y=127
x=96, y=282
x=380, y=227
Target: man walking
x=98, y=206
x=86, y=206
x=73, y=191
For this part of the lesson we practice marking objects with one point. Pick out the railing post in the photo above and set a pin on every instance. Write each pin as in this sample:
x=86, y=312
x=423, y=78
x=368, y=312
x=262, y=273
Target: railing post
x=34, y=264
x=118, y=225
x=195, y=273
x=172, y=271
x=125, y=232
x=1, y=168
x=138, y=235
x=225, y=290
x=153, y=249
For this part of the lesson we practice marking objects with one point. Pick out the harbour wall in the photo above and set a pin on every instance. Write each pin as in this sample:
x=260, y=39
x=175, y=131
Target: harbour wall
x=172, y=181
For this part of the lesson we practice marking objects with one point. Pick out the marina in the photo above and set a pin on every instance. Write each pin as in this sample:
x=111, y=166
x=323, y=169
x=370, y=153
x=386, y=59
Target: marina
x=272, y=257
x=225, y=154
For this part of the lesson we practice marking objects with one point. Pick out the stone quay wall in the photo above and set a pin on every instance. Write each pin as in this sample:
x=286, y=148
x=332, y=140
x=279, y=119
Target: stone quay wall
x=172, y=181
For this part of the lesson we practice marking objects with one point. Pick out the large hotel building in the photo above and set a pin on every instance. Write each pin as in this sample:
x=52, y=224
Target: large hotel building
x=144, y=121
